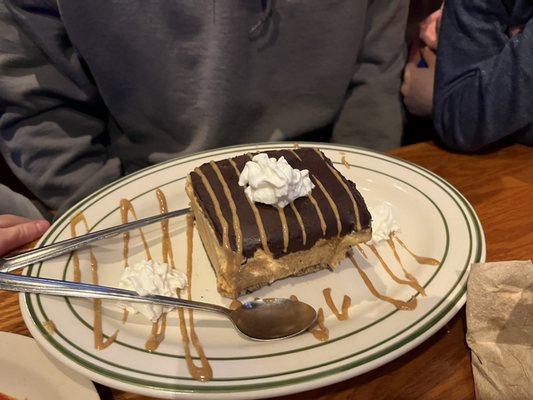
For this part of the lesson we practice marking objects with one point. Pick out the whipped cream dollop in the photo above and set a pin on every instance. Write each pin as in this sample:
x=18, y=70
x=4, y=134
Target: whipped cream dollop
x=383, y=223
x=151, y=277
x=275, y=182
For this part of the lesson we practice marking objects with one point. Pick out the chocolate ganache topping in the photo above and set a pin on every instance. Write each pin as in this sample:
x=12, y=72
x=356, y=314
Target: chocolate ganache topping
x=333, y=208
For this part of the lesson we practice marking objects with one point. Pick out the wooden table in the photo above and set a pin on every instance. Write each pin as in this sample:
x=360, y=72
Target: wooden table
x=499, y=184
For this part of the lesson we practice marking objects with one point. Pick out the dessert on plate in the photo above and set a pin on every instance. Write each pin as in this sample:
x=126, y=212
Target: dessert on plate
x=271, y=215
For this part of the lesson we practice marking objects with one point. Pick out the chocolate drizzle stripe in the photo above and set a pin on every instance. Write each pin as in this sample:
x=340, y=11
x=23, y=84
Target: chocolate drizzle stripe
x=344, y=161
x=214, y=200
x=332, y=204
x=258, y=220
x=401, y=281
x=319, y=212
x=419, y=259
x=284, y=228
x=399, y=304
x=345, y=186
x=406, y=273
x=203, y=372
x=301, y=222
x=321, y=332
x=125, y=207
x=361, y=250
x=98, y=336
x=346, y=301
x=231, y=201
x=295, y=154
x=317, y=151
x=168, y=254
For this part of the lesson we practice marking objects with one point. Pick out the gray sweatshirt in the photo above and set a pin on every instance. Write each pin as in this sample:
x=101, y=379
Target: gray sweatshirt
x=93, y=90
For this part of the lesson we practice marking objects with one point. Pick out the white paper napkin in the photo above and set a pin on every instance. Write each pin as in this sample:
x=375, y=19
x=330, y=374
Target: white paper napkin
x=499, y=313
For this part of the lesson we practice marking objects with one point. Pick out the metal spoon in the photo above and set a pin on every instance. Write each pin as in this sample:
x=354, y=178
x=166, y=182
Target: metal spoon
x=262, y=319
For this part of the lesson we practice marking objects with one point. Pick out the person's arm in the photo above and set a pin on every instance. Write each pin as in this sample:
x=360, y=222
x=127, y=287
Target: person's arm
x=484, y=79
x=372, y=114
x=52, y=120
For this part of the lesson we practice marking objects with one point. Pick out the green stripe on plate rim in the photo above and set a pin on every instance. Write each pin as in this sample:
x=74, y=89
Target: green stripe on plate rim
x=119, y=342
x=159, y=385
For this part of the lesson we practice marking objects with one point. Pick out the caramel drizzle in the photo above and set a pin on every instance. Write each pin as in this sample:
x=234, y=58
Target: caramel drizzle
x=321, y=332
x=361, y=250
x=257, y=215
x=157, y=335
x=399, y=304
x=168, y=254
x=50, y=327
x=346, y=188
x=332, y=205
x=284, y=228
x=406, y=273
x=301, y=222
x=295, y=154
x=414, y=284
x=190, y=236
x=125, y=207
x=344, y=161
x=319, y=153
x=218, y=211
x=346, y=302
x=233, y=207
x=99, y=342
x=319, y=212
x=419, y=259
x=203, y=372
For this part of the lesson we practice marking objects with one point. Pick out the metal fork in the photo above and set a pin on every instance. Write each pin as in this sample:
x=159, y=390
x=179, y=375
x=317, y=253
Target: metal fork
x=54, y=250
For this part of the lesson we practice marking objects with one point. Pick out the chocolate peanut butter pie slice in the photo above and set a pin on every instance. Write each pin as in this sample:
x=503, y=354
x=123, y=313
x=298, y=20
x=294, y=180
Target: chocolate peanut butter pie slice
x=268, y=216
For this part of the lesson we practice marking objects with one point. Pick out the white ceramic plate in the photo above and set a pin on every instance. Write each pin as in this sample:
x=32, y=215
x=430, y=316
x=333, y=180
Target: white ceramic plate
x=435, y=221
x=28, y=373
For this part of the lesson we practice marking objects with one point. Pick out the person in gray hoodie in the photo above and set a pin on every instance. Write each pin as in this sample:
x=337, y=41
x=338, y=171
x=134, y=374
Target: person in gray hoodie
x=93, y=90
x=484, y=77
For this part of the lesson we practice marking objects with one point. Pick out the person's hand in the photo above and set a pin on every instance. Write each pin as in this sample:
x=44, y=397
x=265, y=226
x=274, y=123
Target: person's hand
x=417, y=87
x=17, y=231
x=429, y=30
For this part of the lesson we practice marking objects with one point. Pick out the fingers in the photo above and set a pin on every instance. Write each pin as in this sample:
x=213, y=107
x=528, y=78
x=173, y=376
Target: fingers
x=18, y=235
x=429, y=57
x=8, y=220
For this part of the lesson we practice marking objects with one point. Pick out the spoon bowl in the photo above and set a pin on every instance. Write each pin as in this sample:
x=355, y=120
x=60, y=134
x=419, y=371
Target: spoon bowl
x=272, y=318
